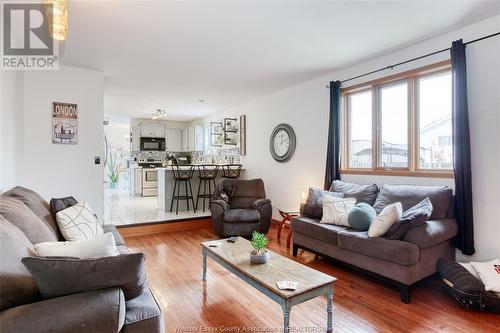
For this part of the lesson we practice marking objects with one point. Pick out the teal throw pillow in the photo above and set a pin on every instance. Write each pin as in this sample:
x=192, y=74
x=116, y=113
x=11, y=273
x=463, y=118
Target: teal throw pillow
x=361, y=216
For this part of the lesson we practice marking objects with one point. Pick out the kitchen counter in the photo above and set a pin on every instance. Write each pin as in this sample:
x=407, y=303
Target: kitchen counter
x=166, y=187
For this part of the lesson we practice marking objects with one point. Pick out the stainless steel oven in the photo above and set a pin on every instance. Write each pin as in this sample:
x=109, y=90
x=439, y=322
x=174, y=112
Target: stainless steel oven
x=149, y=182
x=152, y=144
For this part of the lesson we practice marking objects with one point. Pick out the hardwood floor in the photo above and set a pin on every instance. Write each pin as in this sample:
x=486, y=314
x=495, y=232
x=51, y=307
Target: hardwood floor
x=225, y=304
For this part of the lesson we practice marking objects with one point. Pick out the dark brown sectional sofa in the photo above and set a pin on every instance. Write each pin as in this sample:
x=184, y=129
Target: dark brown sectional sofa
x=25, y=219
x=404, y=261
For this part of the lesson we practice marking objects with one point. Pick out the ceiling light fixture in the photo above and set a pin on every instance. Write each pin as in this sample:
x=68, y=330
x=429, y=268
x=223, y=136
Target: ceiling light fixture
x=57, y=15
x=159, y=113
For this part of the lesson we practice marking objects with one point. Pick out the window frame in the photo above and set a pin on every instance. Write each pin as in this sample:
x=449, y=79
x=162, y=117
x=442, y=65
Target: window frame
x=413, y=169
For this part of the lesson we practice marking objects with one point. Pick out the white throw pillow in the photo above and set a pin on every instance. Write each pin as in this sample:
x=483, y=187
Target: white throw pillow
x=102, y=246
x=78, y=222
x=387, y=217
x=489, y=272
x=336, y=210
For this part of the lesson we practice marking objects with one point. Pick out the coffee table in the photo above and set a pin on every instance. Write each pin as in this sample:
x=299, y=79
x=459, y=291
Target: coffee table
x=235, y=258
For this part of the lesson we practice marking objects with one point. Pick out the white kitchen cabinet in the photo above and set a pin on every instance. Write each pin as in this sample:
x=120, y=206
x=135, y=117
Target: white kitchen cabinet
x=192, y=138
x=135, y=137
x=152, y=130
x=185, y=139
x=173, y=140
x=135, y=178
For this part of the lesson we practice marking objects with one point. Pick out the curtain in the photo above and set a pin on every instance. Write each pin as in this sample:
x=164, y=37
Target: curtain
x=333, y=151
x=461, y=150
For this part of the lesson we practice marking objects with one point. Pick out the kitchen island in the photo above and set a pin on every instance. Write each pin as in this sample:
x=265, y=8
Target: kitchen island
x=166, y=183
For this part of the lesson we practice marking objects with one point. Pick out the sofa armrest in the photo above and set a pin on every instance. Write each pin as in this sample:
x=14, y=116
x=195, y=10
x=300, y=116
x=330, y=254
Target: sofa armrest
x=432, y=233
x=265, y=208
x=119, y=241
x=217, y=209
x=96, y=311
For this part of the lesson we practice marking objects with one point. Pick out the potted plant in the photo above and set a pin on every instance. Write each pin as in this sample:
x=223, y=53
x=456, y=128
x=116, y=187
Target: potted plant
x=259, y=254
x=112, y=170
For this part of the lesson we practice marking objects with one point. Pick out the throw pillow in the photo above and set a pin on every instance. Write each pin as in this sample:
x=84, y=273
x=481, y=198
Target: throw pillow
x=383, y=222
x=361, y=216
x=336, y=210
x=102, y=246
x=489, y=272
x=58, y=204
x=223, y=195
x=314, y=203
x=413, y=217
x=64, y=276
x=362, y=193
x=78, y=222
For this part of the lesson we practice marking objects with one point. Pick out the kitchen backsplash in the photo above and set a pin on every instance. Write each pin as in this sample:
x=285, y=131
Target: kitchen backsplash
x=217, y=156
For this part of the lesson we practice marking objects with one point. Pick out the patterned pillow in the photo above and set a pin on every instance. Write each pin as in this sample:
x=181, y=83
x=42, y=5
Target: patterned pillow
x=78, y=222
x=336, y=210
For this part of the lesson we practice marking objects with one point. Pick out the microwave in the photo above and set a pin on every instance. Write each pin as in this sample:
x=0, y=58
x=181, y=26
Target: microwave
x=152, y=144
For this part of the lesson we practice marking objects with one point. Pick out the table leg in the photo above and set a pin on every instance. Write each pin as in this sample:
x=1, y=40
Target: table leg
x=287, y=307
x=289, y=238
x=280, y=227
x=329, y=309
x=204, y=251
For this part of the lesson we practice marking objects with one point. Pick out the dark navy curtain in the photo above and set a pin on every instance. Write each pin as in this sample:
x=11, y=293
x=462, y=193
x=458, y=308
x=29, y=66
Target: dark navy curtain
x=333, y=151
x=461, y=150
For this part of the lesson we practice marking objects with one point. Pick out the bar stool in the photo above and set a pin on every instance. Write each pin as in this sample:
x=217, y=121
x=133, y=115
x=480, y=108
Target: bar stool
x=231, y=171
x=208, y=173
x=182, y=174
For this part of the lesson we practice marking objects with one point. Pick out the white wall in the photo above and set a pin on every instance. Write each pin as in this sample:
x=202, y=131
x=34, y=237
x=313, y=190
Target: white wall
x=305, y=108
x=50, y=169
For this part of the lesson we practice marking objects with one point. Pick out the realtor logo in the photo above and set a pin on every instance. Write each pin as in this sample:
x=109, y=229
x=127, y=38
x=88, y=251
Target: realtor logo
x=26, y=41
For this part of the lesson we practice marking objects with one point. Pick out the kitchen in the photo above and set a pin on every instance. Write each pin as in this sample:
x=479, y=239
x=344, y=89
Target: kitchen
x=140, y=185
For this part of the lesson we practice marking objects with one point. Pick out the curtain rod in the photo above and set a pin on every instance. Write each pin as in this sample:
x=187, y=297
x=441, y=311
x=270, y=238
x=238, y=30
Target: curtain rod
x=414, y=59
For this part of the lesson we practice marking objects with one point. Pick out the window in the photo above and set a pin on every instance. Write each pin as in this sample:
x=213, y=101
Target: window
x=400, y=124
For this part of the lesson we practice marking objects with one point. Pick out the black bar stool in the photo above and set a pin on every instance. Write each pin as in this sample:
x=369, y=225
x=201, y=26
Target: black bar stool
x=182, y=174
x=231, y=171
x=208, y=173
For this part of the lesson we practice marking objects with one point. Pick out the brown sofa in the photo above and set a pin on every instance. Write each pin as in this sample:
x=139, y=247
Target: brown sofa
x=403, y=261
x=243, y=210
x=25, y=220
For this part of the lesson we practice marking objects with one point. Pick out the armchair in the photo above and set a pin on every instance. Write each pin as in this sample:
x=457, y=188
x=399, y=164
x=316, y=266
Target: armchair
x=240, y=207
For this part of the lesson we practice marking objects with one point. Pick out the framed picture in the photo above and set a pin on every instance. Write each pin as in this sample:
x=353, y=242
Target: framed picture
x=231, y=125
x=64, y=123
x=216, y=134
x=243, y=134
x=230, y=138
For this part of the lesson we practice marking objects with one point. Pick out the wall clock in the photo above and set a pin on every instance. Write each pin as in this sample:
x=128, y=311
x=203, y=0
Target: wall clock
x=282, y=143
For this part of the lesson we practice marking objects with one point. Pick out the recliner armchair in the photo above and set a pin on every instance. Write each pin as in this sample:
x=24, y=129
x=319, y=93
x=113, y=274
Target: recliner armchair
x=240, y=207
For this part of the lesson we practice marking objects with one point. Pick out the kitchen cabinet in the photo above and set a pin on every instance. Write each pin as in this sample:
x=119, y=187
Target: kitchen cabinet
x=135, y=137
x=152, y=130
x=192, y=138
x=135, y=178
x=173, y=140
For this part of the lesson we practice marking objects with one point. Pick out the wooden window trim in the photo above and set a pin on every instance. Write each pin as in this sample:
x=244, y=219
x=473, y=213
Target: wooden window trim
x=413, y=169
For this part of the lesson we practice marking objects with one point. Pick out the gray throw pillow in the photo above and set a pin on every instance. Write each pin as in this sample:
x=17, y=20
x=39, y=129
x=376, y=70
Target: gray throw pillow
x=363, y=193
x=314, y=203
x=58, y=204
x=59, y=276
x=411, y=218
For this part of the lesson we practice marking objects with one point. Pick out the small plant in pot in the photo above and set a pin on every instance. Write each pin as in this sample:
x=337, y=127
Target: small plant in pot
x=259, y=254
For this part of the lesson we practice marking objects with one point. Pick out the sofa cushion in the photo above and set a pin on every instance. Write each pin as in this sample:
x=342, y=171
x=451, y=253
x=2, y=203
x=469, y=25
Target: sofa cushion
x=56, y=276
x=411, y=218
x=17, y=213
x=432, y=232
x=241, y=216
x=143, y=314
x=362, y=193
x=37, y=204
x=58, y=204
x=94, y=311
x=399, y=252
x=410, y=195
x=16, y=283
x=242, y=193
x=313, y=228
x=314, y=203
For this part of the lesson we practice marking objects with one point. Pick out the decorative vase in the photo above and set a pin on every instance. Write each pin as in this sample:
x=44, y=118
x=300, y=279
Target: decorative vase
x=259, y=258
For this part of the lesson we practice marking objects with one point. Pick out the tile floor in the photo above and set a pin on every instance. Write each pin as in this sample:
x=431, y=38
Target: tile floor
x=120, y=209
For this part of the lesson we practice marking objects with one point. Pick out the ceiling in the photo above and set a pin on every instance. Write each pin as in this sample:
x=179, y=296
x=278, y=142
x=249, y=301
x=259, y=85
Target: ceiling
x=165, y=54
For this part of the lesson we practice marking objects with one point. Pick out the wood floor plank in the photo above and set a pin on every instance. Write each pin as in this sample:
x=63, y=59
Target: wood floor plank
x=224, y=302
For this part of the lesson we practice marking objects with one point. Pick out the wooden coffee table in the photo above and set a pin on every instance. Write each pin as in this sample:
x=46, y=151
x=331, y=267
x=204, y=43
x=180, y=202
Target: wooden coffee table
x=235, y=258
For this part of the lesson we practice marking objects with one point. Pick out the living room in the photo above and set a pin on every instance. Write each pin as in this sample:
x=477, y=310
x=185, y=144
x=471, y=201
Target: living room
x=400, y=98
